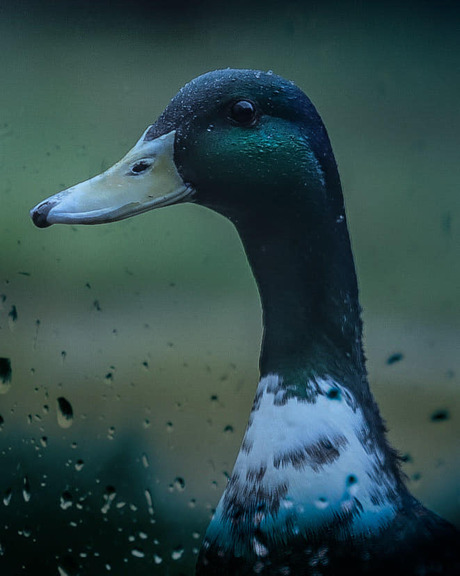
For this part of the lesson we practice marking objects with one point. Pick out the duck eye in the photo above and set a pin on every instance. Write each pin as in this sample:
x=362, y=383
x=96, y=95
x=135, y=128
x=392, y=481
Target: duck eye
x=243, y=112
x=140, y=166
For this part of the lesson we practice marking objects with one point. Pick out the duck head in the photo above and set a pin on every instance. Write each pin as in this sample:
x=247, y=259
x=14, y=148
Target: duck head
x=237, y=141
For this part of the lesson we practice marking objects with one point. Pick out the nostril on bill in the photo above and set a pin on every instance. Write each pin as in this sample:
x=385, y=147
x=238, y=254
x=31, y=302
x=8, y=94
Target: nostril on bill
x=40, y=213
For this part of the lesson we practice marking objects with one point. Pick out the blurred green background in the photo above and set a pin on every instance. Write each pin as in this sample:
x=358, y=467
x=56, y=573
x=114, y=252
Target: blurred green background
x=150, y=328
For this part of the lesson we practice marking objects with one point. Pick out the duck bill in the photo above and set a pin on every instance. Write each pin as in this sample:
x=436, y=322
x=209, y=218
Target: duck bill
x=146, y=178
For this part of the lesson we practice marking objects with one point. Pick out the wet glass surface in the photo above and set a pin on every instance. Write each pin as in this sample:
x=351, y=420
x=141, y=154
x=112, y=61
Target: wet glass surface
x=129, y=352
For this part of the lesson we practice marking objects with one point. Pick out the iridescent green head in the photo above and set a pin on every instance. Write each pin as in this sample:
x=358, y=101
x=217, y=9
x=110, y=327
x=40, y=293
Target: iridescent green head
x=230, y=140
x=246, y=137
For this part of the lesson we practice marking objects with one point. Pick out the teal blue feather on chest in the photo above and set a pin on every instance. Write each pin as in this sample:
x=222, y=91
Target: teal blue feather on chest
x=316, y=489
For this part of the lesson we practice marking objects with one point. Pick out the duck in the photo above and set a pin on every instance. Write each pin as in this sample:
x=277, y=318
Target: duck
x=316, y=488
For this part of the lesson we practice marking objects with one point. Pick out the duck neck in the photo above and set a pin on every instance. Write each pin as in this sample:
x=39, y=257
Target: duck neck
x=304, y=270
x=314, y=462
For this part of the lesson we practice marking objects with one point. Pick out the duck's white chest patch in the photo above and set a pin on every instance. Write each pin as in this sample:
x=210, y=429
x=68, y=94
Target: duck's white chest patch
x=304, y=463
